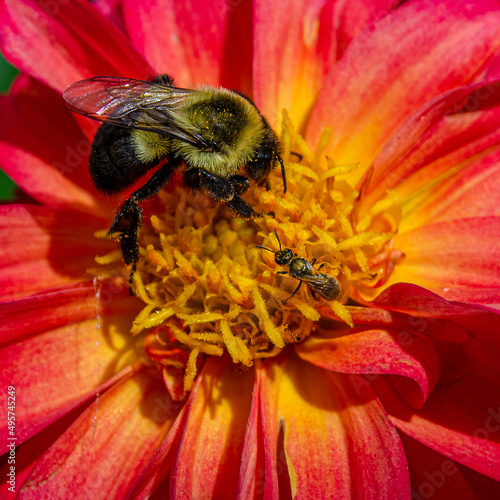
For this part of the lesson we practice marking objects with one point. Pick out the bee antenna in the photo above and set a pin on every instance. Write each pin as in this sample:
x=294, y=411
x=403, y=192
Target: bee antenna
x=277, y=237
x=264, y=248
x=283, y=175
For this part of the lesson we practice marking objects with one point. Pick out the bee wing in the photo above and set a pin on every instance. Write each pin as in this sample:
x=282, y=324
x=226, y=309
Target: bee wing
x=324, y=284
x=130, y=103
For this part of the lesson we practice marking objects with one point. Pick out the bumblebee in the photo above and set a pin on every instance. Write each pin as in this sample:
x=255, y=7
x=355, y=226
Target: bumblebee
x=324, y=285
x=215, y=134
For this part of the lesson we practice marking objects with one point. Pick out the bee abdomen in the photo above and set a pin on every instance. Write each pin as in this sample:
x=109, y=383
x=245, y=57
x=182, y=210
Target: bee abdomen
x=114, y=162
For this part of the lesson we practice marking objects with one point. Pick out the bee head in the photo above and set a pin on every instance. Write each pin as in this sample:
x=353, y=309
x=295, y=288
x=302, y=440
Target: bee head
x=283, y=257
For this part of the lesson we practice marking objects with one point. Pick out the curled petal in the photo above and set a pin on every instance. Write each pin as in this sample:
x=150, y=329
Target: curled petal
x=461, y=420
x=376, y=352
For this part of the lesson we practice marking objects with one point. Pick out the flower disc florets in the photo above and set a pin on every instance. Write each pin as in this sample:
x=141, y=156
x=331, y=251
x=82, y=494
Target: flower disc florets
x=209, y=289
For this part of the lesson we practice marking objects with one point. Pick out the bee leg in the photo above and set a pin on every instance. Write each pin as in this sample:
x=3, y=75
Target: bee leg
x=227, y=190
x=294, y=292
x=313, y=294
x=240, y=183
x=129, y=217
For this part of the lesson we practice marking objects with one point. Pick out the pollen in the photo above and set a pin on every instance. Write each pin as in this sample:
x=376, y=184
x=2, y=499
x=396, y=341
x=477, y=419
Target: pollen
x=208, y=290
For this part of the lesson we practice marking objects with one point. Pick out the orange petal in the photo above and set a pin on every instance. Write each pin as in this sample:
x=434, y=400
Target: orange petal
x=448, y=132
x=251, y=480
x=106, y=448
x=212, y=439
x=337, y=438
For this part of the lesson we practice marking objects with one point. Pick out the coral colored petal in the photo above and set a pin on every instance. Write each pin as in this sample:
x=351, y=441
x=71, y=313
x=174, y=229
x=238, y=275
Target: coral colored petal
x=55, y=371
x=379, y=352
x=64, y=305
x=214, y=433
x=460, y=420
x=251, y=477
x=417, y=301
x=450, y=130
x=103, y=452
x=434, y=475
x=42, y=247
x=43, y=150
x=429, y=47
x=459, y=260
x=337, y=437
x=62, y=42
x=196, y=42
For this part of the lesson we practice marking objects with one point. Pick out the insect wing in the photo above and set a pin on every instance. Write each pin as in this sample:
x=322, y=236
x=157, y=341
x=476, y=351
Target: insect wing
x=130, y=103
x=324, y=285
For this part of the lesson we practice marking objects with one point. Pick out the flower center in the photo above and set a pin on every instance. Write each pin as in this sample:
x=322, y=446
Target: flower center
x=208, y=285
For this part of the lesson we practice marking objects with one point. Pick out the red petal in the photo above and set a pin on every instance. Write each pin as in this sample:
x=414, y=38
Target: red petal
x=337, y=437
x=428, y=48
x=434, y=475
x=64, y=305
x=62, y=42
x=459, y=260
x=197, y=42
x=214, y=433
x=376, y=352
x=103, y=452
x=41, y=247
x=55, y=371
x=461, y=420
x=43, y=150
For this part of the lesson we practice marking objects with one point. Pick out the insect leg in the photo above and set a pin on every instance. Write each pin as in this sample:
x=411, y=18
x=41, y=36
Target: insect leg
x=128, y=219
x=294, y=292
x=227, y=190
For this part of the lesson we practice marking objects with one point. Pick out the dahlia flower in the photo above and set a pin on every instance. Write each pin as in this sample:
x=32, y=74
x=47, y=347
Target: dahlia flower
x=211, y=381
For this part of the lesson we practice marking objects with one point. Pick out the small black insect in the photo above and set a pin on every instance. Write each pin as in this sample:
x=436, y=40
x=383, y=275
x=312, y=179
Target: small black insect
x=213, y=135
x=300, y=268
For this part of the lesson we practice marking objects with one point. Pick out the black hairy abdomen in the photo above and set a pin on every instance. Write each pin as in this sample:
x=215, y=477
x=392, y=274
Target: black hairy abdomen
x=113, y=162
